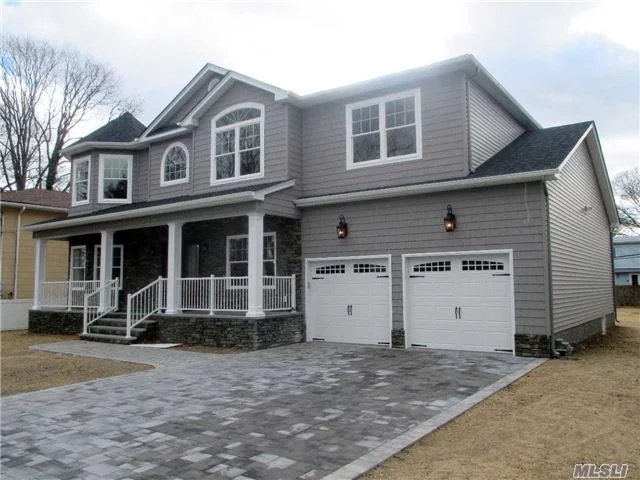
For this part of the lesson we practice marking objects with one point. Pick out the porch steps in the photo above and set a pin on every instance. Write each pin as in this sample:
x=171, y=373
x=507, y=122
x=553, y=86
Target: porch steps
x=114, y=330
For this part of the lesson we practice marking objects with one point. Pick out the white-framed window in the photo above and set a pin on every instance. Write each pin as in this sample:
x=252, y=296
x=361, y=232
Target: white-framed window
x=117, y=263
x=384, y=130
x=633, y=279
x=237, y=143
x=81, y=181
x=77, y=263
x=238, y=255
x=175, y=164
x=115, y=179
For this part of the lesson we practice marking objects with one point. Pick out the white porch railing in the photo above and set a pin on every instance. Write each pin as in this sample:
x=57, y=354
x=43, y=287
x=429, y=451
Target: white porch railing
x=145, y=302
x=99, y=303
x=67, y=294
x=230, y=294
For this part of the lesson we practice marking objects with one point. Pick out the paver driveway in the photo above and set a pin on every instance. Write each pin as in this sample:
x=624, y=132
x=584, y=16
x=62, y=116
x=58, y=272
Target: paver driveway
x=301, y=411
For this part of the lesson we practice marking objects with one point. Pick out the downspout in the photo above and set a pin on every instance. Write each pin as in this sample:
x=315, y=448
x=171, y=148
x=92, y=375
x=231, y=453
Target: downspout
x=17, y=258
x=2, y=234
x=552, y=339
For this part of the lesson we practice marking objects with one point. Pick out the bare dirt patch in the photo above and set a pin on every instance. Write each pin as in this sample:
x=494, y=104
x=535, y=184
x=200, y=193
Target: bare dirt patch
x=580, y=410
x=23, y=370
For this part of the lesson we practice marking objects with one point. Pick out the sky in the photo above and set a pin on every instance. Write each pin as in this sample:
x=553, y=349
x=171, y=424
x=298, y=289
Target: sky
x=563, y=62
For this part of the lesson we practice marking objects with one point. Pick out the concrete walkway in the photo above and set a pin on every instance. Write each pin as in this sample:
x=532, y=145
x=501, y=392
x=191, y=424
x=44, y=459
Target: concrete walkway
x=304, y=411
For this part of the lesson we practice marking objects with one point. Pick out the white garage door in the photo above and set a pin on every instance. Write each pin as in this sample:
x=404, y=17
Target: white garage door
x=459, y=302
x=348, y=300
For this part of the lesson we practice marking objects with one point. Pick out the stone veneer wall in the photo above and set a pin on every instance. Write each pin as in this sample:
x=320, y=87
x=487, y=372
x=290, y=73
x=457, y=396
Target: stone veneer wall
x=231, y=331
x=55, y=322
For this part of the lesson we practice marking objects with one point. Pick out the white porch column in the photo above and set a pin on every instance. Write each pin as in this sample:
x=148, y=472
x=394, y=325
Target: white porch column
x=255, y=251
x=174, y=267
x=40, y=272
x=106, y=261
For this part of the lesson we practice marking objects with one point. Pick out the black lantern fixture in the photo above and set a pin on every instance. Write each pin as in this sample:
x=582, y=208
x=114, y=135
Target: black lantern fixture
x=449, y=220
x=341, y=228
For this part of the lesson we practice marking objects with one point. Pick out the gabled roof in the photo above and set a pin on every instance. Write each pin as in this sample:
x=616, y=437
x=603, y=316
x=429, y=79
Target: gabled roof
x=543, y=149
x=38, y=197
x=125, y=128
x=229, y=77
x=464, y=63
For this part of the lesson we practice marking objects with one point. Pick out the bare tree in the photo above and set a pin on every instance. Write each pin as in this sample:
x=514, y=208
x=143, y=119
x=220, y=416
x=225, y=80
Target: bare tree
x=46, y=93
x=627, y=186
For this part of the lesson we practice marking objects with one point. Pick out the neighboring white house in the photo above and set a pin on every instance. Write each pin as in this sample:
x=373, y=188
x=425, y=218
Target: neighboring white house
x=627, y=260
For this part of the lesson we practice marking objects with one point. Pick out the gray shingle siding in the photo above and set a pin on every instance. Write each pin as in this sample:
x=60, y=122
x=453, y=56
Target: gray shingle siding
x=157, y=151
x=491, y=127
x=275, y=138
x=581, y=269
x=507, y=217
x=443, y=137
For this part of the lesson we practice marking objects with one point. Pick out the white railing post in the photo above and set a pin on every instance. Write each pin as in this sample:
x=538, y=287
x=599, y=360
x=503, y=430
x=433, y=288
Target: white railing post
x=69, y=295
x=159, y=293
x=85, y=315
x=212, y=293
x=293, y=292
x=128, y=315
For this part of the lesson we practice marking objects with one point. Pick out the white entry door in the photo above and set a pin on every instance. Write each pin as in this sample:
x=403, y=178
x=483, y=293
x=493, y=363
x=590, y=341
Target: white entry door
x=348, y=300
x=459, y=302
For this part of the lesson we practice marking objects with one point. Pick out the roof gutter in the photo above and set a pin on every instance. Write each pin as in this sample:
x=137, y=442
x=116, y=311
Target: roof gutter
x=29, y=206
x=424, y=188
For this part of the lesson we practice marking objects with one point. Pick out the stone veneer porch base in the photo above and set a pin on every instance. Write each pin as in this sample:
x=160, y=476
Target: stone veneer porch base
x=221, y=330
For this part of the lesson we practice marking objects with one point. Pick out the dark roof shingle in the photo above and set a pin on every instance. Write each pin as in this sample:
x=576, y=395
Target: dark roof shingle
x=37, y=196
x=125, y=128
x=537, y=150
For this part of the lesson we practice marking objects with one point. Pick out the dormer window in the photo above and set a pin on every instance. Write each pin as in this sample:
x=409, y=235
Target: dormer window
x=237, y=144
x=175, y=164
x=384, y=130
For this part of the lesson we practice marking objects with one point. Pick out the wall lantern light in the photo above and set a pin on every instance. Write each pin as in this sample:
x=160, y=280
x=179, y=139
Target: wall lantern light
x=449, y=220
x=341, y=228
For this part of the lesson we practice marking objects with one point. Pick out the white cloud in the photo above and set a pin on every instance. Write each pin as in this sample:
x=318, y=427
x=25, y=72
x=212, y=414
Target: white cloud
x=616, y=20
x=309, y=46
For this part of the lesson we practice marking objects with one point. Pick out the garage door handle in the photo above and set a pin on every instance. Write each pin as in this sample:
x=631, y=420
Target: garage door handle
x=501, y=275
x=456, y=311
x=416, y=276
x=459, y=312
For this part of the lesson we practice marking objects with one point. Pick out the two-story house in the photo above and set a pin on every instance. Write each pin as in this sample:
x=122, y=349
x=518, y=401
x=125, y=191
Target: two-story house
x=421, y=209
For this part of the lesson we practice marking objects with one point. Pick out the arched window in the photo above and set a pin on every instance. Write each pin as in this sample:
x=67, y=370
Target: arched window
x=237, y=143
x=175, y=164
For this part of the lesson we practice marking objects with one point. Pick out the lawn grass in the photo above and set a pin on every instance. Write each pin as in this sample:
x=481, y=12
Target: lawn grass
x=23, y=370
x=585, y=409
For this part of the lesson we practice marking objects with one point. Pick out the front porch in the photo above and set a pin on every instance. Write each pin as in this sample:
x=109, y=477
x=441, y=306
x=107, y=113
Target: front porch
x=238, y=274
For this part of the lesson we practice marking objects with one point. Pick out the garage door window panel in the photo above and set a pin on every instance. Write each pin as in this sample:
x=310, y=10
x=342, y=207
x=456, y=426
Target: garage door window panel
x=444, y=266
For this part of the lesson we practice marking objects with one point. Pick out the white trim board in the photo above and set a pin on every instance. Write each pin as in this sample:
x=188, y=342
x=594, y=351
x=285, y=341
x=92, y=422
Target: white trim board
x=447, y=185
